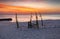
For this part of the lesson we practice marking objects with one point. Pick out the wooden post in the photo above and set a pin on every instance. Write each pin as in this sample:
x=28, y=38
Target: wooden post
x=17, y=21
x=37, y=24
x=29, y=23
x=31, y=17
x=41, y=19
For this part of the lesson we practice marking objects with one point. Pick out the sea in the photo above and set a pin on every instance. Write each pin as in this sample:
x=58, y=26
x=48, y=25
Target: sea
x=26, y=18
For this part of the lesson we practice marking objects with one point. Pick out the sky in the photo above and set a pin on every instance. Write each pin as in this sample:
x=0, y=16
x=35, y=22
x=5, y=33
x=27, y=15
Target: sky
x=44, y=4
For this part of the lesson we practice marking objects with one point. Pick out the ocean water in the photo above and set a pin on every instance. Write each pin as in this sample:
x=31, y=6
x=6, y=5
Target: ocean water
x=25, y=18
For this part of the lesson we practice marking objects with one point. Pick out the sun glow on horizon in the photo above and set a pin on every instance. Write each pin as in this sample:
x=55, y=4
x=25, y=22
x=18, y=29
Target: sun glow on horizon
x=25, y=10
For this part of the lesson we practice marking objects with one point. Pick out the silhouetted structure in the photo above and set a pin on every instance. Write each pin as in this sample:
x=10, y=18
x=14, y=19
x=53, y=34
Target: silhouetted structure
x=17, y=21
x=6, y=19
x=37, y=24
x=41, y=19
x=33, y=25
x=29, y=23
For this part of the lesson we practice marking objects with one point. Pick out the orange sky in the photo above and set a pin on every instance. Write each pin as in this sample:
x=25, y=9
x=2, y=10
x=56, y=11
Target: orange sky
x=24, y=10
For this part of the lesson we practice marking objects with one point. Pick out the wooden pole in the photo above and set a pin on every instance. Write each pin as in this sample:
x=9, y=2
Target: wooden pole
x=41, y=19
x=31, y=17
x=17, y=21
x=37, y=21
x=30, y=22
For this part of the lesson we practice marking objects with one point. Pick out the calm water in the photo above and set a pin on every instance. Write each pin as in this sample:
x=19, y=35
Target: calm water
x=25, y=18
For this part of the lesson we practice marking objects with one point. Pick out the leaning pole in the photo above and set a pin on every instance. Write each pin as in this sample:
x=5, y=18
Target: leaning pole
x=41, y=20
x=37, y=20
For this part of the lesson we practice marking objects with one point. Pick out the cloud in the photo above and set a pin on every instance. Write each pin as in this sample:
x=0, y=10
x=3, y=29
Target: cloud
x=10, y=0
x=32, y=0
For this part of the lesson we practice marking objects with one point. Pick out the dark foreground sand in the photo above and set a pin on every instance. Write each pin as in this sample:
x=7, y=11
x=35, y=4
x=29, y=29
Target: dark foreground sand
x=51, y=30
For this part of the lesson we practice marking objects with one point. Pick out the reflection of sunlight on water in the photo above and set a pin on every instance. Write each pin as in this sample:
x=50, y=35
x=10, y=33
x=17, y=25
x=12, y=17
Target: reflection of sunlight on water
x=25, y=18
x=52, y=17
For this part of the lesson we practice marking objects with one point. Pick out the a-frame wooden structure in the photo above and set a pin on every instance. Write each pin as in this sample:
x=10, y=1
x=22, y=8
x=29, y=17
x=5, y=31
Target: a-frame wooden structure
x=32, y=25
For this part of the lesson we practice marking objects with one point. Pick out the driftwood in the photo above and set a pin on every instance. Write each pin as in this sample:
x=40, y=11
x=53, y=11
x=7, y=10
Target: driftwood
x=6, y=19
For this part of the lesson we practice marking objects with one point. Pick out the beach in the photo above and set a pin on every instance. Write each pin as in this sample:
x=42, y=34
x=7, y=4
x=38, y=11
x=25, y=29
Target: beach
x=49, y=30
